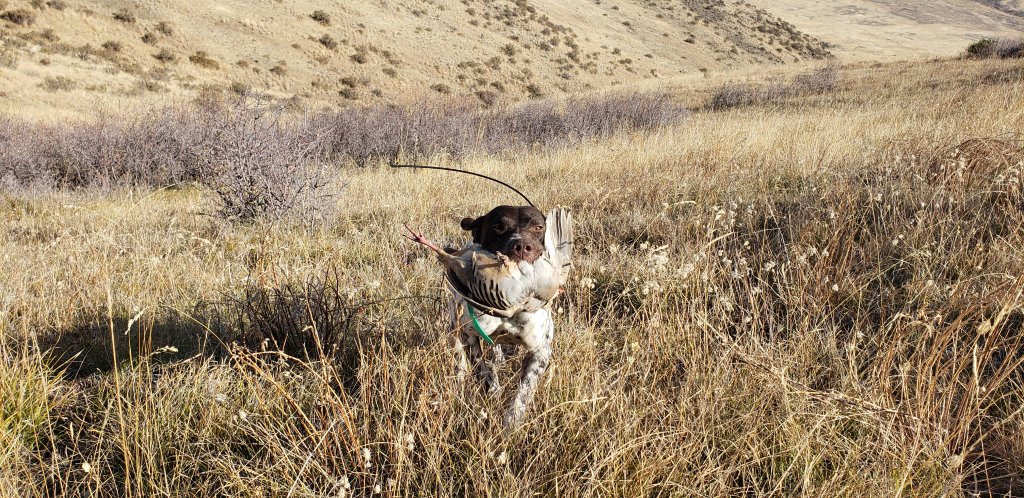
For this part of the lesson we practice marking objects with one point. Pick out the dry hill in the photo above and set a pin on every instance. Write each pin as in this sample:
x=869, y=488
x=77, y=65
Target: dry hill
x=900, y=29
x=70, y=55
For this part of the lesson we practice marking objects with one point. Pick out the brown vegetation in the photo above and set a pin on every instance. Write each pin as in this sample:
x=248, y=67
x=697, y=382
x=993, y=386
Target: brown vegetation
x=821, y=298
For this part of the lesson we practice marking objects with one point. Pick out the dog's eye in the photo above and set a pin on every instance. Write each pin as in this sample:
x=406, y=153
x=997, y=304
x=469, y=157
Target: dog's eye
x=498, y=229
x=538, y=228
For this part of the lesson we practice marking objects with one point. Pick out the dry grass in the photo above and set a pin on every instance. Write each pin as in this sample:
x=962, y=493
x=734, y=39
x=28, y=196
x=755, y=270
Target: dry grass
x=818, y=299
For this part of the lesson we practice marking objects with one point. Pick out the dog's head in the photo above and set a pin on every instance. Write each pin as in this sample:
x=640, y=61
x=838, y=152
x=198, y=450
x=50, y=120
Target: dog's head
x=516, y=231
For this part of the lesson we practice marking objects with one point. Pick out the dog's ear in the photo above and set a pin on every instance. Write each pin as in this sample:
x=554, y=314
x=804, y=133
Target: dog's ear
x=471, y=223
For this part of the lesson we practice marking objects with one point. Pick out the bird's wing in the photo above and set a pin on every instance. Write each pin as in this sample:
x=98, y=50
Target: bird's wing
x=488, y=285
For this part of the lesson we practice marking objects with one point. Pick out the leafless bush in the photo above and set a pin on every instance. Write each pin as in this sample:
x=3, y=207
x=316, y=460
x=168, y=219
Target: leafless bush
x=1007, y=48
x=600, y=116
x=165, y=28
x=155, y=148
x=732, y=95
x=1003, y=48
x=321, y=17
x=211, y=142
x=8, y=57
x=261, y=169
x=822, y=80
x=125, y=16
x=314, y=318
x=165, y=56
x=815, y=82
x=58, y=83
x=384, y=132
x=203, y=59
x=328, y=42
x=21, y=17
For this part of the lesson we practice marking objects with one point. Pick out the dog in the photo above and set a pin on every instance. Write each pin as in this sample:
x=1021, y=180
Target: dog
x=518, y=232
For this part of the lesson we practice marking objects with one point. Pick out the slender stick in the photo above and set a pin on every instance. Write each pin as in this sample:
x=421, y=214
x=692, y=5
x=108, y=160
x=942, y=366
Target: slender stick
x=528, y=201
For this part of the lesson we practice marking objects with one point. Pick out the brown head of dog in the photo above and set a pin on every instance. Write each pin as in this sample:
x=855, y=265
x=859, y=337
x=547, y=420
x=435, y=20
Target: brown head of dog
x=515, y=231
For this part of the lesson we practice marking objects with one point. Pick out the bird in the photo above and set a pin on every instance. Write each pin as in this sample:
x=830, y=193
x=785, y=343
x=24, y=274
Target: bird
x=498, y=285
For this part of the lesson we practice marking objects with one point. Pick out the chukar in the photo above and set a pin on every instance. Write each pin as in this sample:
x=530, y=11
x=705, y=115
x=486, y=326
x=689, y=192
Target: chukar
x=499, y=286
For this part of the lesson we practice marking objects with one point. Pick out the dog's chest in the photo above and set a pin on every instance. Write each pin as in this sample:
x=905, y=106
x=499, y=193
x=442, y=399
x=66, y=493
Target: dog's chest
x=531, y=328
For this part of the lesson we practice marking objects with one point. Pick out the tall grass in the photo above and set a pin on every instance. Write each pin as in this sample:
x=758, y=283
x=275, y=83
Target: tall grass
x=830, y=305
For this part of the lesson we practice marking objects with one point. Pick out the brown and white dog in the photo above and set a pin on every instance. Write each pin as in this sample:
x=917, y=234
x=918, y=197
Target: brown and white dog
x=518, y=232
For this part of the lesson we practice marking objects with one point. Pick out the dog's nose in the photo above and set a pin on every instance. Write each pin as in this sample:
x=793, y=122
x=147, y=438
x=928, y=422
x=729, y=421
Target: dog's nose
x=523, y=248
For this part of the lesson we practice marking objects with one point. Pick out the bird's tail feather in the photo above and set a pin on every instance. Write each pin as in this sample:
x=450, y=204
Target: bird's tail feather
x=558, y=239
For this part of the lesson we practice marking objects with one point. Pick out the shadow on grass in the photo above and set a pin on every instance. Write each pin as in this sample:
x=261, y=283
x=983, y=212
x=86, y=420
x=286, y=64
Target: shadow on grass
x=313, y=319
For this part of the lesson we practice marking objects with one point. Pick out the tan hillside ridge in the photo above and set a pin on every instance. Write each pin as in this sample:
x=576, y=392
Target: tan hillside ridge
x=74, y=56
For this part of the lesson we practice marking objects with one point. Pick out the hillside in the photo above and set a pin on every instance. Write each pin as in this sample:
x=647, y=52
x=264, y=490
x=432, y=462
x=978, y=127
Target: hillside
x=900, y=29
x=68, y=56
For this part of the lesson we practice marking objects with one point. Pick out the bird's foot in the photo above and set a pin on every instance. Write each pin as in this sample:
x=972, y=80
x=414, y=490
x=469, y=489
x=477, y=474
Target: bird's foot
x=420, y=239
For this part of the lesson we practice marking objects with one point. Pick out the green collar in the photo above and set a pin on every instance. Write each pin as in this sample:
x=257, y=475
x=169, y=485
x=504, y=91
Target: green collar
x=476, y=325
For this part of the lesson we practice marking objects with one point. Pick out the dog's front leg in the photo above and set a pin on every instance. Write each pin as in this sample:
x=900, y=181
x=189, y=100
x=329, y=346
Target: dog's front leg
x=534, y=365
x=459, y=348
x=536, y=336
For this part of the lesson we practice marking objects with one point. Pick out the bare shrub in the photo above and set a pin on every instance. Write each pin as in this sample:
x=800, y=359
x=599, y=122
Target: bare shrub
x=487, y=97
x=165, y=28
x=328, y=42
x=313, y=318
x=8, y=57
x=818, y=81
x=150, y=38
x=57, y=4
x=321, y=17
x=241, y=89
x=600, y=116
x=165, y=56
x=203, y=59
x=153, y=148
x=1002, y=48
x=112, y=46
x=1007, y=48
x=260, y=169
x=125, y=16
x=349, y=93
x=21, y=17
x=822, y=80
x=200, y=143
x=732, y=95
x=58, y=83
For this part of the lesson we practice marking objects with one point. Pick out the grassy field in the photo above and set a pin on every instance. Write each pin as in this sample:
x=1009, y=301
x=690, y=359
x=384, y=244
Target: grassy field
x=817, y=294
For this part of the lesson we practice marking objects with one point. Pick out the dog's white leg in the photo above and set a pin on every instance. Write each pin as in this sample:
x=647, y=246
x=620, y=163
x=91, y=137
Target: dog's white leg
x=534, y=365
x=457, y=338
x=536, y=336
x=461, y=358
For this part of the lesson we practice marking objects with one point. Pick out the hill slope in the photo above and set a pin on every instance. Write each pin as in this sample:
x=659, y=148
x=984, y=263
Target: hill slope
x=890, y=29
x=372, y=51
